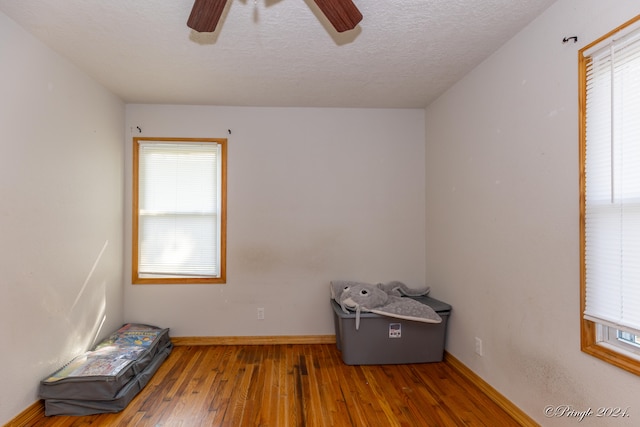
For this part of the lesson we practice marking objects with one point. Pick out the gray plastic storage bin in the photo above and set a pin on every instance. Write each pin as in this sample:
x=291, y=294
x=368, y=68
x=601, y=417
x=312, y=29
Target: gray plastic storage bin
x=383, y=340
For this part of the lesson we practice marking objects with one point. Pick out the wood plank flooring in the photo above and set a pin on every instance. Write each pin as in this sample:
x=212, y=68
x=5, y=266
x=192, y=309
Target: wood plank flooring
x=298, y=386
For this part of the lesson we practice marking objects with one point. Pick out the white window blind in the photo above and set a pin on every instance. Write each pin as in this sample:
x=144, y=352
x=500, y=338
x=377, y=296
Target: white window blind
x=612, y=182
x=179, y=205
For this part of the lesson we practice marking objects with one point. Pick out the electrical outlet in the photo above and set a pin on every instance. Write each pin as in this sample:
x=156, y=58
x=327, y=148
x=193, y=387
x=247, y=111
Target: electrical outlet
x=260, y=313
x=478, y=346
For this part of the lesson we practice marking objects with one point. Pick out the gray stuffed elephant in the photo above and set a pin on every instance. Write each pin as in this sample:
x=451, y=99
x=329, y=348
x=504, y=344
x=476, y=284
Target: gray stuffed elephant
x=383, y=299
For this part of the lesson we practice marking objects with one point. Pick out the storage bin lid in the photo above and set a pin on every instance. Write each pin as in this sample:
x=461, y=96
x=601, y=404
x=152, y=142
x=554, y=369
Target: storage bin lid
x=439, y=307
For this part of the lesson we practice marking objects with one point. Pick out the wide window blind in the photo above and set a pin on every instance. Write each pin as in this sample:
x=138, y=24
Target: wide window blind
x=179, y=204
x=612, y=182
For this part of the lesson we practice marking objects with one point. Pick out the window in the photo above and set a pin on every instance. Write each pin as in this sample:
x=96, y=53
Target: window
x=179, y=211
x=610, y=197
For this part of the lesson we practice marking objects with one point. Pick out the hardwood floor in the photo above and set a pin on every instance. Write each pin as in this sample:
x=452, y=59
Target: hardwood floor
x=295, y=385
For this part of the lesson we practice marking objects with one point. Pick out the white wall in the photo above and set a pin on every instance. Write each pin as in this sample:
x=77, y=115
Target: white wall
x=313, y=195
x=61, y=185
x=502, y=218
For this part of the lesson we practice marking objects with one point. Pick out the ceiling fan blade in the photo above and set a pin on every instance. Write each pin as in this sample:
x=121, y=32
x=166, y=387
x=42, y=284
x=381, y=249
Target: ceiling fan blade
x=343, y=14
x=205, y=15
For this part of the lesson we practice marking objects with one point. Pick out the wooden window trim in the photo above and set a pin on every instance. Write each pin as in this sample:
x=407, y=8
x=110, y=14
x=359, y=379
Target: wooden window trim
x=588, y=329
x=223, y=217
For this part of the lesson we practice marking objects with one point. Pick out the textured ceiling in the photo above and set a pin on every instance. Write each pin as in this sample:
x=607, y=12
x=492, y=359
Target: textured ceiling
x=403, y=54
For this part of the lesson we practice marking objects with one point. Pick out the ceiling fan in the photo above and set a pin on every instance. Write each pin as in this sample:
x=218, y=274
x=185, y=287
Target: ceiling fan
x=342, y=14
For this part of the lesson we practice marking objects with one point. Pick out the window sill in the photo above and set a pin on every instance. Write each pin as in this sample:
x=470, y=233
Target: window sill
x=606, y=352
